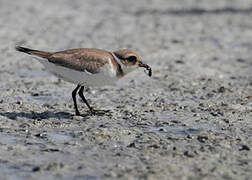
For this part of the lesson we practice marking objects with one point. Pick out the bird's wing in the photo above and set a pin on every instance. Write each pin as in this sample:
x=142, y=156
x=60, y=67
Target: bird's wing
x=90, y=60
x=83, y=59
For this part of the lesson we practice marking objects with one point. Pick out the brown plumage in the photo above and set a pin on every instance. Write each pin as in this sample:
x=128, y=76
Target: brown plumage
x=83, y=59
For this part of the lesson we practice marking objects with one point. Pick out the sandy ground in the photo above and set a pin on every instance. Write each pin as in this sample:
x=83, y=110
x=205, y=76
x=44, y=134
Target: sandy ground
x=191, y=120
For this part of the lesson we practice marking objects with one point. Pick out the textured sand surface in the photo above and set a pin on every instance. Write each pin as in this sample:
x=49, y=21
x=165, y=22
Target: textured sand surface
x=191, y=120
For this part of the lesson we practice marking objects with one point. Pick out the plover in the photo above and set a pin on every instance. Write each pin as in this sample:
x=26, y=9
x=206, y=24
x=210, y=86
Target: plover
x=88, y=67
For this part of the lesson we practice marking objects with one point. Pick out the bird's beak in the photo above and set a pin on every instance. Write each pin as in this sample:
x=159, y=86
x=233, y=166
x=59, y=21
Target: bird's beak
x=148, y=68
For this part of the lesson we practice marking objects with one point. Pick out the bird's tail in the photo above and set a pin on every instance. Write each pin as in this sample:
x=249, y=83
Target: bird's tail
x=42, y=54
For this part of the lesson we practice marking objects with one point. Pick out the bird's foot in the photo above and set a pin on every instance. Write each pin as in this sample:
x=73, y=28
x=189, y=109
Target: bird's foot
x=77, y=113
x=93, y=112
x=99, y=112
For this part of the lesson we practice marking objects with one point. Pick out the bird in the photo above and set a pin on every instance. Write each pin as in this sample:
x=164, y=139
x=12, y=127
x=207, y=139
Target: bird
x=88, y=67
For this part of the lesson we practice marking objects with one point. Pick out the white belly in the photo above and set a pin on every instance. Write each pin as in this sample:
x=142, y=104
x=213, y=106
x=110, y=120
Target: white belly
x=104, y=77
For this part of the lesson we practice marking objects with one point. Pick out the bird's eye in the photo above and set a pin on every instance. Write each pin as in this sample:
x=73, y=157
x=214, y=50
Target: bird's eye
x=132, y=59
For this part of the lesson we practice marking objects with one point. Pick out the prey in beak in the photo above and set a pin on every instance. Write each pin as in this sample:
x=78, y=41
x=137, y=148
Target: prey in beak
x=147, y=68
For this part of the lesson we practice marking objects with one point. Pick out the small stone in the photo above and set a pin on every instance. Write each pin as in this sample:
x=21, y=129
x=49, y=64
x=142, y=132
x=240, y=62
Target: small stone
x=215, y=58
x=154, y=146
x=221, y=89
x=209, y=95
x=244, y=147
x=226, y=121
x=132, y=145
x=161, y=130
x=201, y=104
x=19, y=102
x=240, y=60
x=176, y=41
x=35, y=94
x=180, y=62
x=36, y=168
x=188, y=154
x=202, y=139
x=214, y=114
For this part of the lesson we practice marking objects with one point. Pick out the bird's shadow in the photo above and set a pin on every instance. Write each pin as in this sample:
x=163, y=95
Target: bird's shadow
x=49, y=114
x=36, y=115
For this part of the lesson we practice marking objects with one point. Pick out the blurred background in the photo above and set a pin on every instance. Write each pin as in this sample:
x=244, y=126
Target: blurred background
x=147, y=25
x=153, y=28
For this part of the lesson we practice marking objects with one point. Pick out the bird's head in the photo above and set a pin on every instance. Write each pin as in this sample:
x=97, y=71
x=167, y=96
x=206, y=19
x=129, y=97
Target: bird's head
x=130, y=60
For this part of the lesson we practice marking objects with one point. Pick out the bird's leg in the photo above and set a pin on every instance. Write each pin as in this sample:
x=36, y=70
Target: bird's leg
x=84, y=99
x=74, y=100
